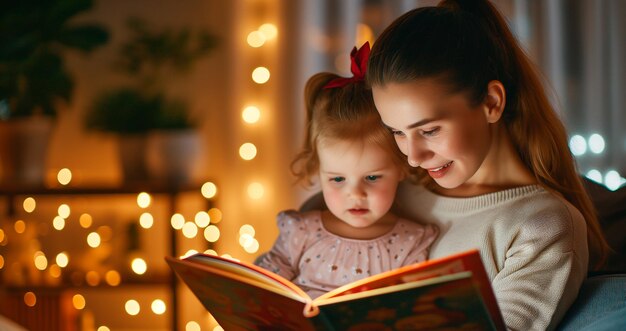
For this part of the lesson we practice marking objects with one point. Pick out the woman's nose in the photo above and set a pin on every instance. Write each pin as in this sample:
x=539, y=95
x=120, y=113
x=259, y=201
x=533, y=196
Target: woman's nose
x=417, y=153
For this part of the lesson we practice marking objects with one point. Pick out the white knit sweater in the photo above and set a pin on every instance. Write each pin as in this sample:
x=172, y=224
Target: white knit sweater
x=533, y=244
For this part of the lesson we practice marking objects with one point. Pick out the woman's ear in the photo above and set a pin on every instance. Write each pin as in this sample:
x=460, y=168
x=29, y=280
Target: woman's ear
x=494, y=101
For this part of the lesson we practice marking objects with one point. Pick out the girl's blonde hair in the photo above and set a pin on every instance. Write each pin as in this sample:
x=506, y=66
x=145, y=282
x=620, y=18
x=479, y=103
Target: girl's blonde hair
x=344, y=113
x=468, y=44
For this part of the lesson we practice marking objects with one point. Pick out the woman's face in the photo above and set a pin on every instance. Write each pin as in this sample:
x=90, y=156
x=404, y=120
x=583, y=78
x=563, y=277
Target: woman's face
x=437, y=130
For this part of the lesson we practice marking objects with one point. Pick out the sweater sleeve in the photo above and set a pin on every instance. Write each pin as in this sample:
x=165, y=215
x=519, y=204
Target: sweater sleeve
x=544, y=267
x=285, y=254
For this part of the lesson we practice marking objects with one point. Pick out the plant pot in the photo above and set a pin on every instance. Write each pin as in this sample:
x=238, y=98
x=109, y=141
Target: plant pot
x=132, y=157
x=23, y=149
x=172, y=155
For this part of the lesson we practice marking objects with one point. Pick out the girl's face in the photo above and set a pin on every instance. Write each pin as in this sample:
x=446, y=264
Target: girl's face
x=358, y=181
x=437, y=130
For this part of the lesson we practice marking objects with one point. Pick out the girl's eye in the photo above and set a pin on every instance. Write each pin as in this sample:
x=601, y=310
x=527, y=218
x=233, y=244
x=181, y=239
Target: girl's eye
x=337, y=179
x=430, y=132
x=372, y=178
x=397, y=133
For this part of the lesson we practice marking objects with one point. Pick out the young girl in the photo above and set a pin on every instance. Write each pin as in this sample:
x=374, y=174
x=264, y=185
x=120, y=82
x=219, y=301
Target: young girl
x=359, y=167
x=467, y=107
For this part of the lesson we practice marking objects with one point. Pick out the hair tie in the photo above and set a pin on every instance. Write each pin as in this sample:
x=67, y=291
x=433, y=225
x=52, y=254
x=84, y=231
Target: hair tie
x=358, y=59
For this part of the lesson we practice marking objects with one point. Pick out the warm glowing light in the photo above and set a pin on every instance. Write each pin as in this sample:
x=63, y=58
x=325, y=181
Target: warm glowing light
x=29, y=204
x=158, y=307
x=190, y=230
x=252, y=247
x=192, y=326
x=92, y=278
x=78, y=301
x=30, y=299
x=64, y=211
x=93, y=239
x=177, y=221
x=612, y=180
x=594, y=175
x=1, y=261
x=58, y=223
x=363, y=34
x=251, y=114
x=132, y=307
x=64, y=176
x=212, y=233
x=103, y=328
x=19, y=226
x=112, y=278
x=210, y=252
x=209, y=190
x=216, y=215
x=202, y=219
x=1, y=235
x=139, y=266
x=256, y=191
x=228, y=256
x=247, y=229
x=268, y=30
x=85, y=220
x=41, y=262
x=143, y=200
x=578, y=145
x=245, y=240
x=261, y=75
x=596, y=143
x=247, y=151
x=54, y=271
x=189, y=253
x=146, y=220
x=256, y=39
x=216, y=328
x=62, y=259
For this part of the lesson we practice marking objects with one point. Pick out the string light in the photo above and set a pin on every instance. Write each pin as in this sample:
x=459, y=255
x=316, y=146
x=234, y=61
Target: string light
x=85, y=220
x=132, y=307
x=202, y=219
x=261, y=75
x=139, y=266
x=268, y=30
x=29, y=204
x=64, y=176
x=208, y=190
x=143, y=200
x=146, y=220
x=256, y=191
x=62, y=259
x=247, y=151
x=177, y=221
x=190, y=230
x=251, y=114
x=78, y=301
x=256, y=39
x=158, y=307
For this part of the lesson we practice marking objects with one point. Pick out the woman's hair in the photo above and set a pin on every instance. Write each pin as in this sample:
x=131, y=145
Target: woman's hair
x=466, y=44
x=345, y=113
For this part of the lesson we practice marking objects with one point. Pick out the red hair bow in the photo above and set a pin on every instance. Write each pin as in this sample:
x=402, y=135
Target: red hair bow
x=358, y=59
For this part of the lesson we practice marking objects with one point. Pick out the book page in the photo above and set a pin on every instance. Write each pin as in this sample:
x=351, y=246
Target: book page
x=252, y=272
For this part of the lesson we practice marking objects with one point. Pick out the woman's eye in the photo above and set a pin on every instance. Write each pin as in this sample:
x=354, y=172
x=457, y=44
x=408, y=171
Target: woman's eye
x=337, y=179
x=397, y=133
x=372, y=178
x=430, y=132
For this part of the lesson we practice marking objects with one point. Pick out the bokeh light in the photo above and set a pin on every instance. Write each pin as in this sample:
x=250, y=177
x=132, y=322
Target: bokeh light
x=58, y=223
x=216, y=215
x=139, y=266
x=132, y=307
x=29, y=204
x=30, y=299
x=596, y=143
x=251, y=114
x=202, y=219
x=93, y=239
x=158, y=307
x=177, y=221
x=247, y=151
x=85, y=220
x=261, y=75
x=143, y=200
x=64, y=176
x=212, y=233
x=256, y=39
x=64, y=211
x=208, y=190
x=256, y=191
x=578, y=145
x=146, y=220
x=62, y=259
x=190, y=230
x=78, y=301
x=268, y=30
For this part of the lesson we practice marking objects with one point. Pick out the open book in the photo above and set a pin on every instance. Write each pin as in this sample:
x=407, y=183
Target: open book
x=452, y=292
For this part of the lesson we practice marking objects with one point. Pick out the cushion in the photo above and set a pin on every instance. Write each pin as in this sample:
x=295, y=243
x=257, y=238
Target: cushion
x=601, y=305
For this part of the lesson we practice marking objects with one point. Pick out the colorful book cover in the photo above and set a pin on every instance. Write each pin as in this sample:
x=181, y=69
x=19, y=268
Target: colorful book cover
x=447, y=293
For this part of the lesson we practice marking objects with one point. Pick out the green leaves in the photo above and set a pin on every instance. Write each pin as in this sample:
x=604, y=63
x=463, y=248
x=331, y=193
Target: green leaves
x=33, y=35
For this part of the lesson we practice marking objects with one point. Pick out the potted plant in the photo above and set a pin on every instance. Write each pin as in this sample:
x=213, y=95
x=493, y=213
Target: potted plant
x=155, y=121
x=34, y=82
